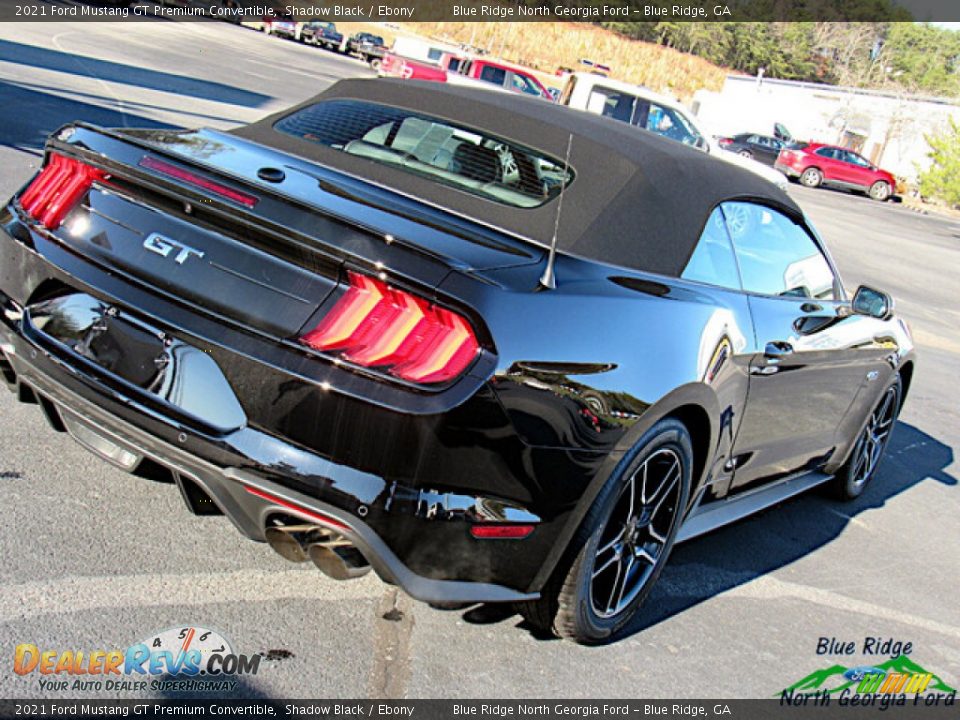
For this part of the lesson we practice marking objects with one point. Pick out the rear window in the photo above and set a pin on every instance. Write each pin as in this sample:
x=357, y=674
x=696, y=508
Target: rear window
x=458, y=157
x=493, y=74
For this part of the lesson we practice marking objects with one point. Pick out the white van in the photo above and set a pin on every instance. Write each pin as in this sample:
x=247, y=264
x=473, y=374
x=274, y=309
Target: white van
x=651, y=111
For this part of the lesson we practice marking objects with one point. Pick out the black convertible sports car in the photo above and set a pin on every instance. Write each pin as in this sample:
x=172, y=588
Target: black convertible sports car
x=495, y=350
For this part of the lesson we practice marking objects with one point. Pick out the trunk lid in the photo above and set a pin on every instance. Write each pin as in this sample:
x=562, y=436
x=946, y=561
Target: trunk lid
x=255, y=235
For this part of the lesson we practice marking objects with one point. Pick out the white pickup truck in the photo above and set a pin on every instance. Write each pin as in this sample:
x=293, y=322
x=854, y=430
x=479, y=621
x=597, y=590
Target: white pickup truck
x=651, y=111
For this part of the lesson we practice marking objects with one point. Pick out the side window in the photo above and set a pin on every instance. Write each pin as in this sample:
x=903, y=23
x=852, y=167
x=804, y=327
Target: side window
x=523, y=84
x=712, y=260
x=493, y=75
x=777, y=256
x=852, y=157
x=826, y=152
x=610, y=103
x=671, y=124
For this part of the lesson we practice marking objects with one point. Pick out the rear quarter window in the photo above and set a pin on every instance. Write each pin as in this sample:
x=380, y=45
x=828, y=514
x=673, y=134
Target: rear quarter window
x=458, y=157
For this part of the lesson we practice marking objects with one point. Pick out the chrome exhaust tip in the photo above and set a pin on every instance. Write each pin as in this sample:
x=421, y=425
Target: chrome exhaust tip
x=284, y=541
x=333, y=554
x=339, y=560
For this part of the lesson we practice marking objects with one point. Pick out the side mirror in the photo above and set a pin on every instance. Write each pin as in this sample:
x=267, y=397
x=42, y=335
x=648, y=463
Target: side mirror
x=871, y=302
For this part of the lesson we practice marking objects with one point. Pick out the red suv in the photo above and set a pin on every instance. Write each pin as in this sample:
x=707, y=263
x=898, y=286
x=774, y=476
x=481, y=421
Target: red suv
x=816, y=164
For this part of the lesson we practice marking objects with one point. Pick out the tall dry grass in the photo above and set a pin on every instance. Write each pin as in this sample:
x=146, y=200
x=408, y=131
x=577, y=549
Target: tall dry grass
x=549, y=45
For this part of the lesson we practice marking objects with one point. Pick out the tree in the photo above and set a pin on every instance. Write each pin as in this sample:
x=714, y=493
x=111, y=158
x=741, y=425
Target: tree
x=942, y=179
x=926, y=56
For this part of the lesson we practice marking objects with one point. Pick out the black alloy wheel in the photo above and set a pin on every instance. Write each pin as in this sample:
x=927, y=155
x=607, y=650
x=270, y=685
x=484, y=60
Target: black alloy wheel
x=636, y=533
x=623, y=544
x=872, y=442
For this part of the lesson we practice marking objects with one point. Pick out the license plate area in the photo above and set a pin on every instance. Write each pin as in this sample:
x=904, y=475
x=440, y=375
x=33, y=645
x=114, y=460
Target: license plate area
x=114, y=342
x=142, y=357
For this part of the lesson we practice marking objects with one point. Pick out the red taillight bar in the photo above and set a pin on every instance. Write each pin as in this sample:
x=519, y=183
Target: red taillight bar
x=57, y=189
x=500, y=532
x=374, y=325
x=165, y=168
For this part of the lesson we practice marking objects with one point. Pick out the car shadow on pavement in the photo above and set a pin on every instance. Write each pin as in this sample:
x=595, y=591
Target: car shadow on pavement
x=28, y=116
x=705, y=567
x=138, y=76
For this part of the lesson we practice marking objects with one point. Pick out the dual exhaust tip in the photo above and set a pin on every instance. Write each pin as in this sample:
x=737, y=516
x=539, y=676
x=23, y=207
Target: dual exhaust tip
x=333, y=554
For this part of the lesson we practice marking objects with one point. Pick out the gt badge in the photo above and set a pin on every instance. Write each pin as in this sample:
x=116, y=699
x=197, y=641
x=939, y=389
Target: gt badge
x=164, y=246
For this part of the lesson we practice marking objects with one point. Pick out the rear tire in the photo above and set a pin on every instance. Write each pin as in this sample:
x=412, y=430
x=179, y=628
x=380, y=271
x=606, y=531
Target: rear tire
x=867, y=454
x=623, y=543
x=879, y=191
x=746, y=154
x=811, y=177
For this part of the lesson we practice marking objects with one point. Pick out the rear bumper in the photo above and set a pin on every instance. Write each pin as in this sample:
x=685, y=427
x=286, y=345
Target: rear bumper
x=786, y=170
x=247, y=497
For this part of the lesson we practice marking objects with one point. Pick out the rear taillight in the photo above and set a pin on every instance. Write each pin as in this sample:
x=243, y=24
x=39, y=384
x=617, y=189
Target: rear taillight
x=57, y=189
x=725, y=141
x=375, y=325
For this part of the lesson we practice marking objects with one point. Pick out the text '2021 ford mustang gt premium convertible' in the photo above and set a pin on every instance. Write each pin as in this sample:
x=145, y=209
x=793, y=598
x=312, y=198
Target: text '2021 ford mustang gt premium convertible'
x=493, y=349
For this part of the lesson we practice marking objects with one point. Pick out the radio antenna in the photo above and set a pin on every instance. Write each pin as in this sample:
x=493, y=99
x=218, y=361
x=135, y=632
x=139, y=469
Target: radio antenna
x=549, y=280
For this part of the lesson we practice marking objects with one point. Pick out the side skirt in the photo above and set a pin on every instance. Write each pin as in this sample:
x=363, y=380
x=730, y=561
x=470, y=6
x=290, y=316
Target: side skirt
x=706, y=518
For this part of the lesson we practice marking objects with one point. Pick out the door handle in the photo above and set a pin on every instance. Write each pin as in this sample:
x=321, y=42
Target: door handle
x=777, y=349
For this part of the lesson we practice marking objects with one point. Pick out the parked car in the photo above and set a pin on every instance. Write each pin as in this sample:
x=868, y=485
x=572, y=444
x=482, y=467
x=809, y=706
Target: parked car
x=323, y=34
x=369, y=48
x=287, y=29
x=420, y=362
x=413, y=58
x=357, y=41
x=815, y=164
x=762, y=148
x=642, y=108
x=500, y=76
x=453, y=68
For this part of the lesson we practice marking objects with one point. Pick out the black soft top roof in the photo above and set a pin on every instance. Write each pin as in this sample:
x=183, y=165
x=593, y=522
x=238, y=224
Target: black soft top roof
x=637, y=200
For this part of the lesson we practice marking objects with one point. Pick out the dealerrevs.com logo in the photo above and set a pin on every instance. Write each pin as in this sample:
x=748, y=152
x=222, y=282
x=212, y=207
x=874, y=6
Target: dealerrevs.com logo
x=183, y=659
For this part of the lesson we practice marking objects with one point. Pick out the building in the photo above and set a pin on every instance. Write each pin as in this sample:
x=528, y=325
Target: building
x=885, y=126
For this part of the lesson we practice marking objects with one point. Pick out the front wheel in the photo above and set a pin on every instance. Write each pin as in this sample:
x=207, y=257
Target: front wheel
x=811, y=178
x=623, y=544
x=880, y=190
x=862, y=465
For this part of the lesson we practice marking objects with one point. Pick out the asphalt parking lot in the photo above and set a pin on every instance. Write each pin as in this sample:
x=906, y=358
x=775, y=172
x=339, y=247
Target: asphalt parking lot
x=94, y=558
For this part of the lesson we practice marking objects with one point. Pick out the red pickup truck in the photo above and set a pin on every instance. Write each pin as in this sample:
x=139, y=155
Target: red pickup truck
x=452, y=68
